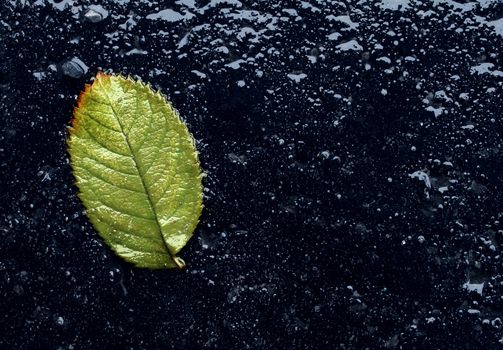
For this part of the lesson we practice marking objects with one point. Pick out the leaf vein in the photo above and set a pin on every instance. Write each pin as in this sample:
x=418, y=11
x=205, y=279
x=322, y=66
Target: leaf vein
x=138, y=167
x=90, y=116
x=100, y=162
x=129, y=233
x=120, y=211
x=102, y=145
x=100, y=177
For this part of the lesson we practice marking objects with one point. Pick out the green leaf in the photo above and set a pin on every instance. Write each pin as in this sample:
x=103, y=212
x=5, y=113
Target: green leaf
x=137, y=171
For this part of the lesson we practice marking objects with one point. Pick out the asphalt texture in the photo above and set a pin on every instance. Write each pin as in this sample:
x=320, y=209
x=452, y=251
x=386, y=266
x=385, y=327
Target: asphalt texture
x=353, y=197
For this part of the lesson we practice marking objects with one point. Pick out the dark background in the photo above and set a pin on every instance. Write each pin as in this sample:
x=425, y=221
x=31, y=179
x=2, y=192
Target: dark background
x=314, y=235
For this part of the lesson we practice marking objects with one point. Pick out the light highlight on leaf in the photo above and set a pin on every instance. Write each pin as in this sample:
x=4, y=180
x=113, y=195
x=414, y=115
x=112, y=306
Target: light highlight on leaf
x=137, y=171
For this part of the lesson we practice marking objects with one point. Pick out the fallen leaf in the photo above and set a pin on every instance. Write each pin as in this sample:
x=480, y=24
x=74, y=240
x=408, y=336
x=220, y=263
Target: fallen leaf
x=137, y=171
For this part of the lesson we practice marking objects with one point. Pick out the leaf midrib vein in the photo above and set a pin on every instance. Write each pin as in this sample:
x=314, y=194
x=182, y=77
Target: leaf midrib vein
x=135, y=161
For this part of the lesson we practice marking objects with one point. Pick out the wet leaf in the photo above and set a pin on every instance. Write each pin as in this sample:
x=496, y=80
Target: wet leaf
x=137, y=171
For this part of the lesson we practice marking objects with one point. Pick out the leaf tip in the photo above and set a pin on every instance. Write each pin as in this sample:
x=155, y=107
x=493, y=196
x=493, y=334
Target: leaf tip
x=101, y=75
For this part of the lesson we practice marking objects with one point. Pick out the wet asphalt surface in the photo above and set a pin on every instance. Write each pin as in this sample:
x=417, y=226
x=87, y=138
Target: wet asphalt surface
x=353, y=198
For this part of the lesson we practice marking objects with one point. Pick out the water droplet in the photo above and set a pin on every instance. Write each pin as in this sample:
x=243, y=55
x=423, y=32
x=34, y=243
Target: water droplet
x=95, y=14
x=60, y=321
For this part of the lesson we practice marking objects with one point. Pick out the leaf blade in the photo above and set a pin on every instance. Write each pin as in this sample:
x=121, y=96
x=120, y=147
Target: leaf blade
x=134, y=159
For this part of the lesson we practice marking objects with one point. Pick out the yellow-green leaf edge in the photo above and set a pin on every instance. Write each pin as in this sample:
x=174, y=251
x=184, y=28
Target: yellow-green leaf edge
x=137, y=170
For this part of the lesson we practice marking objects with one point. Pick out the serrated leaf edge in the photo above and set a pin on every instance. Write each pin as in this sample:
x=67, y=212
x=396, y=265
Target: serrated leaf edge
x=179, y=262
